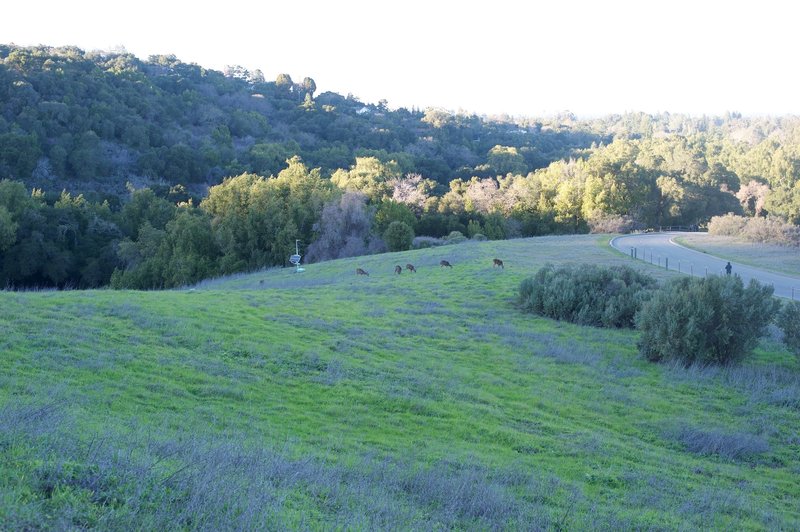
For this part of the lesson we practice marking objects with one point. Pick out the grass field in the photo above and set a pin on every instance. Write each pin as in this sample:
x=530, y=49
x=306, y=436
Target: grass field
x=326, y=400
x=781, y=259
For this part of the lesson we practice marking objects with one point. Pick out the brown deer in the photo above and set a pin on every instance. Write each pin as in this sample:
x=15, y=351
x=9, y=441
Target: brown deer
x=445, y=264
x=359, y=271
x=398, y=269
x=411, y=268
x=498, y=262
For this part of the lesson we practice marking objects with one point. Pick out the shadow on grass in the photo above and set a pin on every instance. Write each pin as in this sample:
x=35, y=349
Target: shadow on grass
x=142, y=480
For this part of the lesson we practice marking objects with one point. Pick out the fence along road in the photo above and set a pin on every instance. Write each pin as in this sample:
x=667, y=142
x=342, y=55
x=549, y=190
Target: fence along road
x=660, y=249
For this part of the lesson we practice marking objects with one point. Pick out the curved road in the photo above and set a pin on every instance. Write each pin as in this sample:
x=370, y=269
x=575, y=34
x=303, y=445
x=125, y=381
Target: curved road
x=660, y=249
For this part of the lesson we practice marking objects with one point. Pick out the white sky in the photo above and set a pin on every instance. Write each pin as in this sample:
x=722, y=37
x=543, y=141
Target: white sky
x=516, y=57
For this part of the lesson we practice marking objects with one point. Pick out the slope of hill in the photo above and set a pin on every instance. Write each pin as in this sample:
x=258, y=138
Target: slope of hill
x=324, y=399
x=92, y=121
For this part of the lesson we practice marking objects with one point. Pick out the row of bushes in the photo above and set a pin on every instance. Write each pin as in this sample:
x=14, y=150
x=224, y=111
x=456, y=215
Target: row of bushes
x=715, y=320
x=455, y=237
x=758, y=230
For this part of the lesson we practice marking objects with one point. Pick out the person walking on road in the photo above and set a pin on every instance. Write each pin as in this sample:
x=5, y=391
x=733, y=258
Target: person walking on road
x=728, y=268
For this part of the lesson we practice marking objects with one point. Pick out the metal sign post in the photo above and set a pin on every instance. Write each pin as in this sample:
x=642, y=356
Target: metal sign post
x=295, y=259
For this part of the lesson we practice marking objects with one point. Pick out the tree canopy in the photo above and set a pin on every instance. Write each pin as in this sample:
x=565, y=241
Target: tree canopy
x=150, y=173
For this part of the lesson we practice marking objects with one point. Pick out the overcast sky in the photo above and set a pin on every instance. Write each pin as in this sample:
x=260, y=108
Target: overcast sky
x=515, y=57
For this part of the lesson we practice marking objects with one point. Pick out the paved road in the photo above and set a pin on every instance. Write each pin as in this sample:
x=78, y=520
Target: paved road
x=660, y=249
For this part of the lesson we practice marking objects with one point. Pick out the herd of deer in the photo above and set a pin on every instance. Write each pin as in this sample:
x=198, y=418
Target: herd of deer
x=410, y=267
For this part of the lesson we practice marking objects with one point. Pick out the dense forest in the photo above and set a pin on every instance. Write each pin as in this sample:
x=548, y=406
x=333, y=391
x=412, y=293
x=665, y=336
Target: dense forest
x=158, y=173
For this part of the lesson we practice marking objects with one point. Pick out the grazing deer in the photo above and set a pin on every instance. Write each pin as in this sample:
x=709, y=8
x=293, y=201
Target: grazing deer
x=445, y=264
x=359, y=271
x=498, y=262
x=411, y=268
x=398, y=269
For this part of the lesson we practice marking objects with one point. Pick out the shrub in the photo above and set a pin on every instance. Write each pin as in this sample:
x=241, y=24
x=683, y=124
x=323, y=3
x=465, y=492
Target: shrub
x=611, y=223
x=455, y=237
x=421, y=242
x=731, y=445
x=479, y=237
x=789, y=321
x=586, y=294
x=728, y=225
x=760, y=230
x=715, y=320
x=772, y=231
x=398, y=236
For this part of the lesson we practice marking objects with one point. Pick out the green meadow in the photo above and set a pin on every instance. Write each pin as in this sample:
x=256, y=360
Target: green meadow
x=324, y=400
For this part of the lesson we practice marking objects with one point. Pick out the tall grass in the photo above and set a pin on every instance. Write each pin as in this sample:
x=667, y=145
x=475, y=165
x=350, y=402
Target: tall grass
x=139, y=480
x=765, y=384
x=728, y=444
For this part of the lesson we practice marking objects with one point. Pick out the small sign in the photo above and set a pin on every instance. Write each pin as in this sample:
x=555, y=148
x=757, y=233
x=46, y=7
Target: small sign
x=295, y=259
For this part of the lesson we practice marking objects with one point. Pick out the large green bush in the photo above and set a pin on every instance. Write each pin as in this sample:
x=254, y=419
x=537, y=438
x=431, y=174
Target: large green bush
x=789, y=321
x=398, y=236
x=715, y=320
x=586, y=294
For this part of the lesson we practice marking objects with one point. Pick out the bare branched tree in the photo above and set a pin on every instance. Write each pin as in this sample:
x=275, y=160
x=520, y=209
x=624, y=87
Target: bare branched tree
x=344, y=229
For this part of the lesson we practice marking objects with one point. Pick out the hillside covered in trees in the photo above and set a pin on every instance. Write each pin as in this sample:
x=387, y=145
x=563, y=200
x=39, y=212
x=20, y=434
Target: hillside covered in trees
x=159, y=173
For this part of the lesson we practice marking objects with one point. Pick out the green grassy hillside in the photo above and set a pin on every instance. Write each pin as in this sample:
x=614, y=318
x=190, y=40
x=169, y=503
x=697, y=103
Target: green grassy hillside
x=328, y=400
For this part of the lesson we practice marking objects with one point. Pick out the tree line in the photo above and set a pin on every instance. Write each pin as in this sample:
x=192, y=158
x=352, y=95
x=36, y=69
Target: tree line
x=156, y=173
